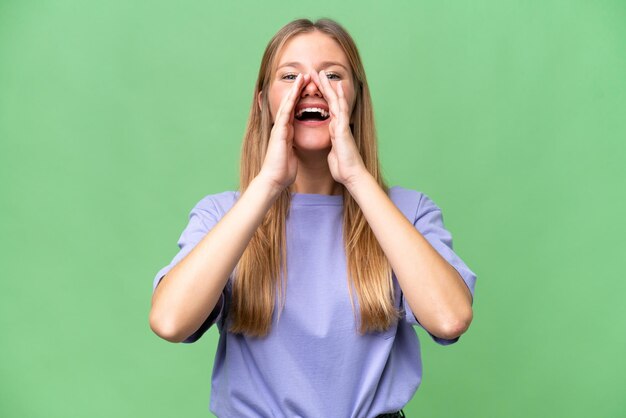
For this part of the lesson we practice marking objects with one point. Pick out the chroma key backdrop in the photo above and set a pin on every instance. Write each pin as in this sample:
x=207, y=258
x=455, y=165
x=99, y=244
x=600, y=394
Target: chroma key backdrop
x=116, y=117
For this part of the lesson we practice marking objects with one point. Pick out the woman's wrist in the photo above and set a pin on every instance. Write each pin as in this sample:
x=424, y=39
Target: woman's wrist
x=269, y=187
x=357, y=181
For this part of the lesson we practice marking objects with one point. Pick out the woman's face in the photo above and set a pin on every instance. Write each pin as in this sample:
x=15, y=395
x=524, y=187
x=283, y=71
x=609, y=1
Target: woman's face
x=307, y=53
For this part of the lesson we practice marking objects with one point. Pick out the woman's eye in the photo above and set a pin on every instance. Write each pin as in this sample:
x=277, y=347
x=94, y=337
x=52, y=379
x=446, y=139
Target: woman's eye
x=330, y=76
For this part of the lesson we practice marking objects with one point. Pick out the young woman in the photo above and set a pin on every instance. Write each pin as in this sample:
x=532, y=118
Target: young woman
x=314, y=271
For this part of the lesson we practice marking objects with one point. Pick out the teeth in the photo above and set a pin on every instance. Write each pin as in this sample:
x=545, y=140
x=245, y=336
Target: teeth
x=323, y=112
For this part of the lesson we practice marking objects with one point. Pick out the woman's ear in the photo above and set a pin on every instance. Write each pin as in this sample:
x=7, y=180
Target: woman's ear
x=259, y=99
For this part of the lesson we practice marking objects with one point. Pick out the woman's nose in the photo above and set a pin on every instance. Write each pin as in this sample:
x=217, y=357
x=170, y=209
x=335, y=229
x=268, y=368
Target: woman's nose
x=311, y=89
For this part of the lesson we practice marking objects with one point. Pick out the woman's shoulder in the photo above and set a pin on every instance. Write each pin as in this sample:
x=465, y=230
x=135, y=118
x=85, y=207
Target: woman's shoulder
x=399, y=194
x=410, y=201
x=402, y=193
x=217, y=203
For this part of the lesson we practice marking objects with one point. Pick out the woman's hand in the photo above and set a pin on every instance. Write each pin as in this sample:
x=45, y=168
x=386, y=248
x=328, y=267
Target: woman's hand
x=281, y=163
x=344, y=160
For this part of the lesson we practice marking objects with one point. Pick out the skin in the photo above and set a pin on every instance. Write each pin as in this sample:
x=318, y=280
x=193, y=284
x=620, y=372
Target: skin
x=311, y=160
x=434, y=290
x=308, y=54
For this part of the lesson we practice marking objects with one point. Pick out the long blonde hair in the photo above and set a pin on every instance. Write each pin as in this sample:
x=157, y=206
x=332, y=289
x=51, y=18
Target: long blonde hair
x=262, y=269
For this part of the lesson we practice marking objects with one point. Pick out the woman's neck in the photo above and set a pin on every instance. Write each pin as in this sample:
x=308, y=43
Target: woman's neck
x=316, y=187
x=314, y=178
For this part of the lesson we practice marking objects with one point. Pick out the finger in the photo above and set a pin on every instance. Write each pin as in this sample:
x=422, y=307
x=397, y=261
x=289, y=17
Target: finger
x=339, y=103
x=306, y=78
x=329, y=93
x=316, y=79
x=343, y=105
x=285, y=110
x=282, y=113
x=304, y=81
x=325, y=83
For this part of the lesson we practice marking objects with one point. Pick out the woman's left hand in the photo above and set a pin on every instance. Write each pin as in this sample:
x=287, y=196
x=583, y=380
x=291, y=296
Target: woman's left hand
x=344, y=160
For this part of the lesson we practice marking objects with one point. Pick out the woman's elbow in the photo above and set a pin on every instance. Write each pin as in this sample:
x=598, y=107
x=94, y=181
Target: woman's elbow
x=165, y=329
x=455, y=326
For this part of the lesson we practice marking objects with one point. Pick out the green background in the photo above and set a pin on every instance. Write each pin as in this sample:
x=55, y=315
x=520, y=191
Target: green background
x=116, y=117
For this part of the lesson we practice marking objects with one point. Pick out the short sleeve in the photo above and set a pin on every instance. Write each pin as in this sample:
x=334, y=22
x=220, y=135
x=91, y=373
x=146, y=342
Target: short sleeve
x=429, y=222
x=202, y=218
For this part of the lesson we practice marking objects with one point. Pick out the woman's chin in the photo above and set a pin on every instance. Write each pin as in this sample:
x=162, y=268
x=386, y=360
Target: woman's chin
x=312, y=140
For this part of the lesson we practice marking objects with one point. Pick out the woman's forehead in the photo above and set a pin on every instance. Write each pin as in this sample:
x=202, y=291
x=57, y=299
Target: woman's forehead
x=312, y=49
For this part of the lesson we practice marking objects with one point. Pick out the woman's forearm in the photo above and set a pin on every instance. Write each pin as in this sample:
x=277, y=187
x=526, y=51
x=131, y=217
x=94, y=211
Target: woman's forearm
x=190, y=290
x=434, y=290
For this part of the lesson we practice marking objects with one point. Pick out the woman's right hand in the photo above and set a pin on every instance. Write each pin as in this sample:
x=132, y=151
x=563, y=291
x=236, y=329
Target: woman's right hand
x=281, y=164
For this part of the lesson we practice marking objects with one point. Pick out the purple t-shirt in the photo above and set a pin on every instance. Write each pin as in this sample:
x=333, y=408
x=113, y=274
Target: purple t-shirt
x=313, y=363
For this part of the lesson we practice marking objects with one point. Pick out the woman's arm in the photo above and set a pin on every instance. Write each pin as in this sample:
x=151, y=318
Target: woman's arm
x=189, y=292
x=434, y=290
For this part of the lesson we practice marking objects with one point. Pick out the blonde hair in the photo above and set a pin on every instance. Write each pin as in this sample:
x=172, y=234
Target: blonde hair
x=262, y=269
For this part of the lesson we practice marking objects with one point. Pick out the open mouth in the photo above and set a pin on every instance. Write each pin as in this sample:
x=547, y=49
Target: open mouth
x=311, y=114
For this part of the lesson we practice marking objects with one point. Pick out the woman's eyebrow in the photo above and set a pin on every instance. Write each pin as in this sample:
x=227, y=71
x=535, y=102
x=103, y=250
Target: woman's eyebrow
x=324, y=64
